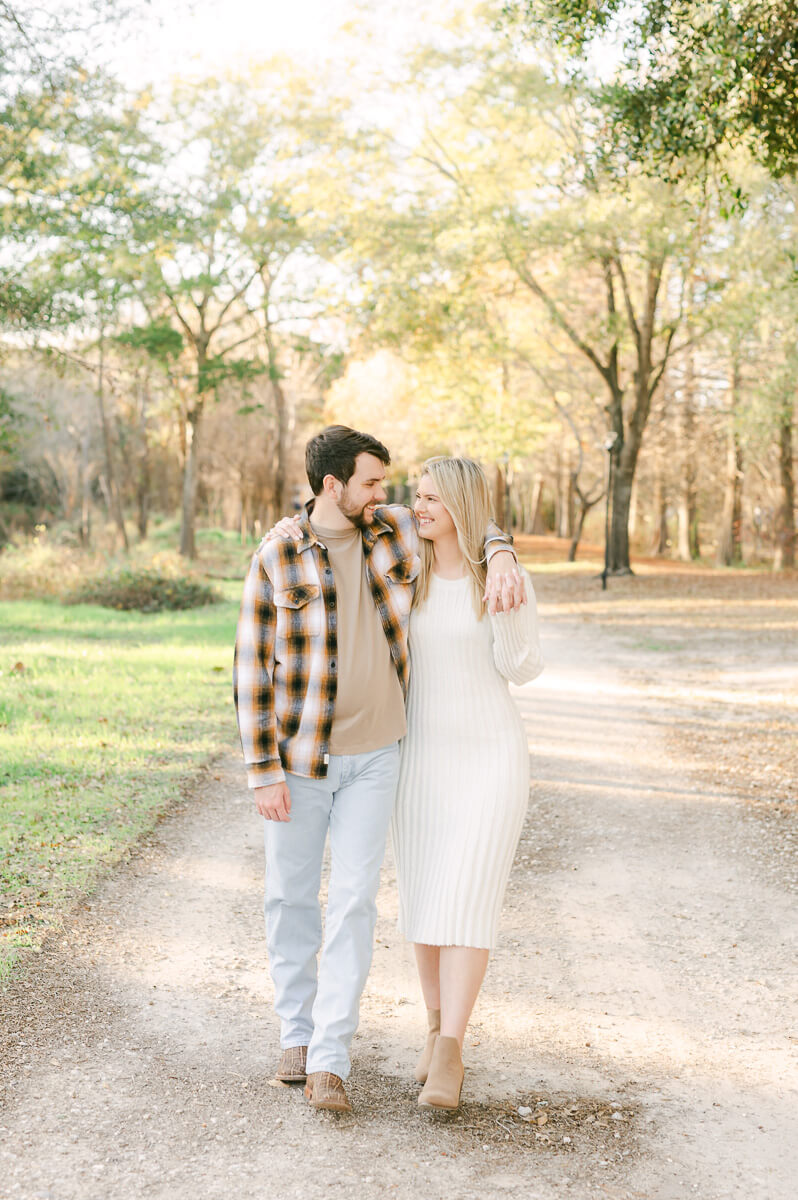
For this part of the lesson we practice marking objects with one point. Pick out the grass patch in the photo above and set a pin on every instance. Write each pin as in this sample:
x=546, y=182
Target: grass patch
x=103, y=716
x=48, y=567
x=656, y=646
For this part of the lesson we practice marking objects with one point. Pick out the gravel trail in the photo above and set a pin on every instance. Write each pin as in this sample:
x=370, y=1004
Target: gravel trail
x=640, y=1011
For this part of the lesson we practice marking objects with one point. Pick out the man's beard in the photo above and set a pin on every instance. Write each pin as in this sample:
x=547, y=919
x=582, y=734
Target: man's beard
x=355, y=515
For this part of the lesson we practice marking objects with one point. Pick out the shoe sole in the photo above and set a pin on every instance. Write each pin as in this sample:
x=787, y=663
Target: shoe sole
x=291, y=1078
x=442, y=1107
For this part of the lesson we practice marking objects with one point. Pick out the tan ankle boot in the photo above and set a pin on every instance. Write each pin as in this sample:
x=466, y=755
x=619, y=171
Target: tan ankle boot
x=434, y=1026
x=445, y=1075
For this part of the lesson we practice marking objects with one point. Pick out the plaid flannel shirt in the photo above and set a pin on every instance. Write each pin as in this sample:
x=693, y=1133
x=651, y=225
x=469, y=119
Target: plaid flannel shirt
x=285, y=667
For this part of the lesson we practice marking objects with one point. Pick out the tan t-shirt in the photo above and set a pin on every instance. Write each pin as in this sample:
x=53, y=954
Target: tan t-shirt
x=369, y=705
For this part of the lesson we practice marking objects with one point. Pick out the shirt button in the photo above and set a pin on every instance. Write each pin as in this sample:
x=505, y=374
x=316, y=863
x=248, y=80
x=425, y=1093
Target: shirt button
x=332, y=665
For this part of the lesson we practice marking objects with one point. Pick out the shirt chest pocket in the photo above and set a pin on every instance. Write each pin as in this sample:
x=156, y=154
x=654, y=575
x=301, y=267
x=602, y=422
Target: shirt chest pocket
x=299, y=611
x=405, y=571
x=401, y=577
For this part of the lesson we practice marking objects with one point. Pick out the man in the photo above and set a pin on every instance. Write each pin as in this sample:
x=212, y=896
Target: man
x=320, y=676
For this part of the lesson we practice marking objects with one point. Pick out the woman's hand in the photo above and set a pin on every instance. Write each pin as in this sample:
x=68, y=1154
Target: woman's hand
x=504, y=588
x=286, y=527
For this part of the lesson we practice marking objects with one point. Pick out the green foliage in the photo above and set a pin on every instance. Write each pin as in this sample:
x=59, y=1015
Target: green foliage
x=159, y=340
x=8, y=435
x=142, y=589
x=696, y=76
x=71, y=150
x=104, y=716
x=573, y=22
x=215, y=371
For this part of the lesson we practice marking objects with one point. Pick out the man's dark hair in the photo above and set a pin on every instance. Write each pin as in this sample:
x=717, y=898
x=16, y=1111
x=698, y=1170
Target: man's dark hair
x=333, y=452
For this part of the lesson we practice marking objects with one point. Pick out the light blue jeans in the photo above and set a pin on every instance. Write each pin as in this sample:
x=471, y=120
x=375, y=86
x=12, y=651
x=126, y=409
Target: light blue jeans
x=318, y=1006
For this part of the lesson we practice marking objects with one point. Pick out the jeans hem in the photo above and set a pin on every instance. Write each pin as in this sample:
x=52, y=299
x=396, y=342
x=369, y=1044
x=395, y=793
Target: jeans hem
x=341, y=1069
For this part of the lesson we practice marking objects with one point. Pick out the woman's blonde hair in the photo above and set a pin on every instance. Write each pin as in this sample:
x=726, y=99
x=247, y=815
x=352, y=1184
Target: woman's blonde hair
x=463, y=489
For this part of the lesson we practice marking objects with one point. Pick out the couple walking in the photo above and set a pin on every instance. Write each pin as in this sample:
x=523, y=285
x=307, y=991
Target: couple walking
x=335, y=613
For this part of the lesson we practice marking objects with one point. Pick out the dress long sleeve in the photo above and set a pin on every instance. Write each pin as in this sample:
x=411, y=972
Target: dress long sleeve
x=516, y=641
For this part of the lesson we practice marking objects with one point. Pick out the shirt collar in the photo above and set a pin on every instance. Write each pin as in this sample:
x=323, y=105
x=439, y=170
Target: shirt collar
x=309, y=538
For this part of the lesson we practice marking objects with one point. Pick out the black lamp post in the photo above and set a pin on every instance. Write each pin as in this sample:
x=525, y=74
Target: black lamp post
x=609, y=446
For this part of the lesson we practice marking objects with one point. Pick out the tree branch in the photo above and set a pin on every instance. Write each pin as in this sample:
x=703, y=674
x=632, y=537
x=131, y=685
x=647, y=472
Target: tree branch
x=241, y=341
x=659, y=370
x=630, y=312
x=564, y=412
x=176, y=308
x=236, y=296
x=452, y=172
x=557, y=316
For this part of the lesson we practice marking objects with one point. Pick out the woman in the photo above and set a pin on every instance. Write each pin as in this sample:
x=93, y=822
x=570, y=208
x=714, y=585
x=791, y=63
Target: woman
x=464, y=779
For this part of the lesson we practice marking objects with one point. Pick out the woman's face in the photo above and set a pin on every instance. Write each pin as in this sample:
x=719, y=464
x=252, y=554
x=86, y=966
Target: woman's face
x=433, y=519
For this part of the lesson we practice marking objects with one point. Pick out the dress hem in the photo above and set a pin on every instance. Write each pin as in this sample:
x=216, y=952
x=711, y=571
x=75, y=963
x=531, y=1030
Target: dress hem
x=476, y=943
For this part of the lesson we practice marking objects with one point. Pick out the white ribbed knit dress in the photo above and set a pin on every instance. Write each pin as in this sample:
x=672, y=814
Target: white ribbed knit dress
x=464, y=780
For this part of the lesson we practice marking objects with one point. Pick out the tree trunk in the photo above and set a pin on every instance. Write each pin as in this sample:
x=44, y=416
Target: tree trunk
x=730, y=541
x=583, y=507
x=577, y=534
x=688, y=548
x=498, y=496
x=114, y=504
x=646, y=382
x=785, y=517
x=684, y=516
x=143, y=480
x=695, y=537
x=280, y=452
x=522, y=504
x=659, y=541
x=620, y=503
x=85, y=491
x=282, y=420
x=244, y=515
x=536, y=507
x=188, y=544
x=634, y=508
x=565, y=505
x=510, y=514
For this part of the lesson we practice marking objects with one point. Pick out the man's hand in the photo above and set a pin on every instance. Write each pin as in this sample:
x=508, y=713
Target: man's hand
x=504, y=589
x=274, y=801
x=286, y=527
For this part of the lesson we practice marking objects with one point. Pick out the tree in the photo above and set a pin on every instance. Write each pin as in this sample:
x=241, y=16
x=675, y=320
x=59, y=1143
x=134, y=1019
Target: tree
x=154, y=351
x=756, y=328
x=56, y=105
x=695, y=77
x=515, y=203
x=228, y=219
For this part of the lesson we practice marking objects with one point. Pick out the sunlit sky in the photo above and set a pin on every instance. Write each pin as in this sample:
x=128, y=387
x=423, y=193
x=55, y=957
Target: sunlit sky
x=188, y=37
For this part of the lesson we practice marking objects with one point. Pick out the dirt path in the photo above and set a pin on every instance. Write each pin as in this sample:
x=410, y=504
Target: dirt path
x=643, y=999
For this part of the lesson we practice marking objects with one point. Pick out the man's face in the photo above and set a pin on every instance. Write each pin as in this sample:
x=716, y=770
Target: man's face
x=364, y=491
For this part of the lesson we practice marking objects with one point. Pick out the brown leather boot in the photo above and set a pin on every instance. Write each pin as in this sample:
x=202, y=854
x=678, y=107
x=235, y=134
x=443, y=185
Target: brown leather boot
x=445, y=1075
x=291, y=1067
x=434, y=1026
x=326, y=1091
